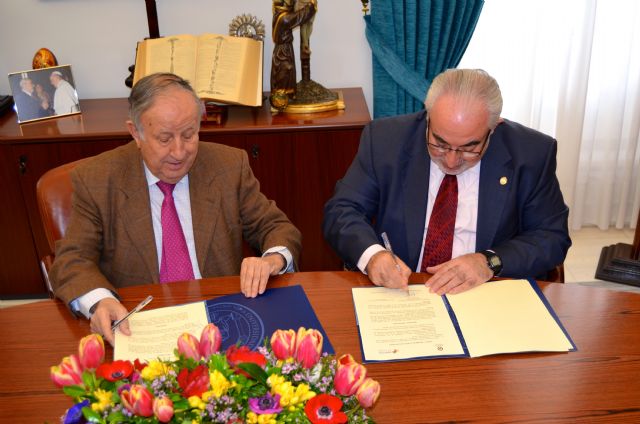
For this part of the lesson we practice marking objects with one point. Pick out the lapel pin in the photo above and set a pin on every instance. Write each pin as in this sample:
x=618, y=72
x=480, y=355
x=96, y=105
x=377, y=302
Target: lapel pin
x=503, y=180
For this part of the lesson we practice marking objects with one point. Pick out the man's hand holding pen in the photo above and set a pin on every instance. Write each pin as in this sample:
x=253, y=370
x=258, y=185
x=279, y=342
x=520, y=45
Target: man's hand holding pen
x=386, y=269
x=107, y=311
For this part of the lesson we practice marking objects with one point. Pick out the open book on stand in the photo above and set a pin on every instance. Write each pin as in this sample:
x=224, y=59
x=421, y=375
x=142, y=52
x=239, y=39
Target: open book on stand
x=241, y=320
x=220, y=68
x=505, y=316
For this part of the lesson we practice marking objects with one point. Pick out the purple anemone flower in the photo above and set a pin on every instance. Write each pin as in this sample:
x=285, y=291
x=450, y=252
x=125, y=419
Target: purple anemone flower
x=266, y=404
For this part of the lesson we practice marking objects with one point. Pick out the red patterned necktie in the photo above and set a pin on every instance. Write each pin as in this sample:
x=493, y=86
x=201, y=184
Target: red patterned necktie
x=439, y=240
x=175, y=264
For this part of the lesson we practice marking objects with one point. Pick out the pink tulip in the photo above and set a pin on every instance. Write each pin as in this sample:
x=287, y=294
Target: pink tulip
x=349, y=375
x=188, y=346
x=210, y=341
x=368, y=392
x=308, y=347
x=163, y=409
x=137, y=399
x=68, y=373
x=283, y=343
x=91, y=351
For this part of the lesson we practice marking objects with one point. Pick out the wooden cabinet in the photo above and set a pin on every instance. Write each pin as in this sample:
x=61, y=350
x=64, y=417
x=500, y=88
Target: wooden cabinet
x=296, y=158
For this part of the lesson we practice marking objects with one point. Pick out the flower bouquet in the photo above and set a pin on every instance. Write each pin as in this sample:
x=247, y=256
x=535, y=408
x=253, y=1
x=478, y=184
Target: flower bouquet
x=288, y=380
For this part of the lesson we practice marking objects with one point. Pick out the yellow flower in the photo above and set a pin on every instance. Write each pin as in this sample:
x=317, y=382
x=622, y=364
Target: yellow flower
x=154, y=369
x=275, y=380
x=196, y=402
x=253, y=418
x=104, y=400
x=219, y=384
x=289, y=394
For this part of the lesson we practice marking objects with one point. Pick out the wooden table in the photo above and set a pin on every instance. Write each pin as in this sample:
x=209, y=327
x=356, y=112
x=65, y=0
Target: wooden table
x=598, y=383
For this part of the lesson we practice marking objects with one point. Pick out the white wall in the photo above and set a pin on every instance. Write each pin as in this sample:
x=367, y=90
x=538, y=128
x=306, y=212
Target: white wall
x=98, y=38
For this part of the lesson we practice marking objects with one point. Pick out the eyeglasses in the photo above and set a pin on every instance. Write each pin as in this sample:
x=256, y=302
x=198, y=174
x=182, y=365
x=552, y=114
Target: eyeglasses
x=440, y=149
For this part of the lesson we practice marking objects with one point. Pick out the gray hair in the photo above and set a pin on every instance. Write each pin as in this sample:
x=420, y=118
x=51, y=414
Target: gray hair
x=468, y=84
x=146, y=90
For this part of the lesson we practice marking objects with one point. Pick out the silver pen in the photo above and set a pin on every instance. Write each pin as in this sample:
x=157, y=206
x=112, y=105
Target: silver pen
x=138, y=308
x=387, y=245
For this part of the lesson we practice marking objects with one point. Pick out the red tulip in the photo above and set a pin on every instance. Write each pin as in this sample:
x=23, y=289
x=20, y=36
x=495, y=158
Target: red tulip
x=210, y=341
x=283, y=343
x=163, y=409
x=368, y=392
x=349, y=375
x=68, y=373
x=91, y=351
x=238, y=355
x=137, y=399
x=194, y=383
x=188, y=346
x=308, y=347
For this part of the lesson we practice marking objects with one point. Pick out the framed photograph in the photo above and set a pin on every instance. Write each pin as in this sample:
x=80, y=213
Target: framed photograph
x=44, y=93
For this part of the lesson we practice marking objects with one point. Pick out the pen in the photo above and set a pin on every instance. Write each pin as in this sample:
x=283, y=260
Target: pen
x=138, y=308
x=387, y=245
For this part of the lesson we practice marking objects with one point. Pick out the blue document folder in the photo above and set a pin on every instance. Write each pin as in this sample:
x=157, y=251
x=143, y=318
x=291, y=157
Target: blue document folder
x=250, y=321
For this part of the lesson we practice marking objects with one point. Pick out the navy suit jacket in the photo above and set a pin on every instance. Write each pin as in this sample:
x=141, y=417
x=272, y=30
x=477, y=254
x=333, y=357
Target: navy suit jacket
x=385, y=190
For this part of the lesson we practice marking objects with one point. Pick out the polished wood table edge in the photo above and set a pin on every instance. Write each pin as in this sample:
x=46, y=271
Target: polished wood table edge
x=598, y=383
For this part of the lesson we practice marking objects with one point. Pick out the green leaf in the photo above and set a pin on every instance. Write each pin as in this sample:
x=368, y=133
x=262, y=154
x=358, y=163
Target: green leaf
x=91, y=415
x=74, y=391
x=254, y=371
x=88, y=380
x=116, y=417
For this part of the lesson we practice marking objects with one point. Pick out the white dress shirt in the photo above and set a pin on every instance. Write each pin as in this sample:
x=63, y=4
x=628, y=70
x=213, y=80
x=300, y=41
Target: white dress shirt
x=464, y=233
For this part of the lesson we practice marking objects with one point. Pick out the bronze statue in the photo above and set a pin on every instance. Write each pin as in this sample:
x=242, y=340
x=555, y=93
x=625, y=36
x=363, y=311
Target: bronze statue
x=283, y=66
x=307, y=95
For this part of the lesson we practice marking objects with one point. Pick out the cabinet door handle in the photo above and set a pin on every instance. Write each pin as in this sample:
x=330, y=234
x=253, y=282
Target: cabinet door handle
x=255, y=151
x=22, y=164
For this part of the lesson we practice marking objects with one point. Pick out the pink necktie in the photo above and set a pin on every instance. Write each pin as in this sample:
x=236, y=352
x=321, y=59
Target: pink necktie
x=175, y=264
x=439, y=240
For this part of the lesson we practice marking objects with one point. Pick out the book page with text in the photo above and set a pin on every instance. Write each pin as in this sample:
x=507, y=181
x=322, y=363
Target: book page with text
x=154, y=333
x=229, y=69
x=395, y=325
x=175, y=54
x=504, y=317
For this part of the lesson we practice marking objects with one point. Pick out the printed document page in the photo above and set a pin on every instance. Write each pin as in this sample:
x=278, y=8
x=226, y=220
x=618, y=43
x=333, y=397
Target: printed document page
x=504, y=317
x=397, y=325
x=154, y=333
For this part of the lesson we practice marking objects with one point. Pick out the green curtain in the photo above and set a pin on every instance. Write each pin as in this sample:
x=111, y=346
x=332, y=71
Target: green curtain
x=412, y=41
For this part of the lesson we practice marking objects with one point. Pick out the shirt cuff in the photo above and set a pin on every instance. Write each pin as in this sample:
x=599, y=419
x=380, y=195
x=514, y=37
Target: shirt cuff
x=287, y=257
x=84, y=303
x=367, y=255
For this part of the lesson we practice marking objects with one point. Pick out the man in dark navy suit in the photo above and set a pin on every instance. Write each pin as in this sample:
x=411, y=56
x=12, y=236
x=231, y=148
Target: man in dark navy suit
x=461, y=193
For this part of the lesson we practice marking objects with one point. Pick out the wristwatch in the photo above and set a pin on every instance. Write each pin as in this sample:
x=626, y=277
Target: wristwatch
x=493, y=261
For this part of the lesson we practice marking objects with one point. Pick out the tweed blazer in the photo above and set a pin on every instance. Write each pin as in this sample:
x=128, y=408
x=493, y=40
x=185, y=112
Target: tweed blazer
x=109, y=242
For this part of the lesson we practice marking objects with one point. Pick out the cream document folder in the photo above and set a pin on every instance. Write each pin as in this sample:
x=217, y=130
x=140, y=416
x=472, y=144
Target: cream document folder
x=504, y=316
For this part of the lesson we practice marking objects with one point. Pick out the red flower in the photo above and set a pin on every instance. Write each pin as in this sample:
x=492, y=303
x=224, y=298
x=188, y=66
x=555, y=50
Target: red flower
x=325, y=409
x=114, y=371
x=139, y=366
x=238, y=355
x=194, y=383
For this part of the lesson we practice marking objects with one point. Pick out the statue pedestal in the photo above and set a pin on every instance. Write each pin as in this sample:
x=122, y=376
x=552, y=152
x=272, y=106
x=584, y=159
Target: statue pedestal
x=312, y=97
